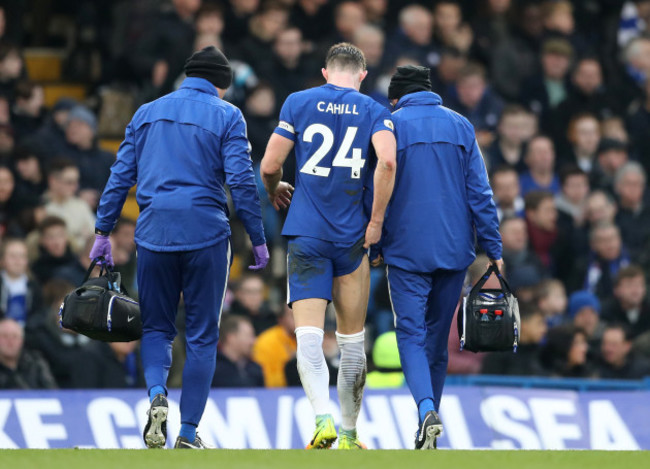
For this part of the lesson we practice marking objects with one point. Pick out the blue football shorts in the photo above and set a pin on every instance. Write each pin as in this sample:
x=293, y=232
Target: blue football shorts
x=313, y=263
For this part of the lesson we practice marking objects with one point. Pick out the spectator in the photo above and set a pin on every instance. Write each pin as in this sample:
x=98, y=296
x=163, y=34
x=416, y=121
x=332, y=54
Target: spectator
x=635, y=18
x=449, y=29
x=584, y=137
x=289, y=70
x=116, y=365
x=541, y=220
x=209, y=20
x=11, y=68
x=20, y=368
x=160, y=54
x=507, y=194
x=123, y=251
x=508, y=147
x=606, y=259
x=516, y=254
x=274, y=348
x=265, y=26
x=370, y=39
x=30, y=179
x=63, y=182
x=236, y=19
x=601, y=208
x=249, y=302
x=587, y=95
x=540, y=160
x=515, y=56
x=388, y=367
x=571, y=202
x=260, y=112
x=375, y=12
x=7, y=142
x=526, y=362
x=559, y=22
x=612, y=155
x=55, y=254
x=633, y=217
x=551, y=301
x=445, y=75
x=413, y=38
x=235, y=368
x=20, y=296
x=584, y=313
x=630, y=304
x=474, y=100
x=638, y=124
x=631, y=79
x=614, y=127
x=10, y=204
x=491, y=27
x=27, y=112
x=66, y=352
x=315, y=19
x=544, y=92
x=50, y=140
x=94, y=163
x=564, y=353
x=349, y=16
x=617, y=359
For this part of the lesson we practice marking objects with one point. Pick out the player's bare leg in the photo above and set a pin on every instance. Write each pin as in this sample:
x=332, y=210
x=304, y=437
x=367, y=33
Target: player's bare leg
x=350, y=295
x=309, y=316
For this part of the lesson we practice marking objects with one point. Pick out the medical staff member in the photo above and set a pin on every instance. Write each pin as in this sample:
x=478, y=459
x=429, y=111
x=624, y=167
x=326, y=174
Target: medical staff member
x=442, y=199
x=180, y=150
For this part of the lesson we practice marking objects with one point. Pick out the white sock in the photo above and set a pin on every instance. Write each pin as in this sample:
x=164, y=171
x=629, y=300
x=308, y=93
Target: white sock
x=351, y=378
x=314, y=375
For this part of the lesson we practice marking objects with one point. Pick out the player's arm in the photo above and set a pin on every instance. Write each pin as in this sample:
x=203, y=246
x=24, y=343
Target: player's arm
x=384, y=180
x=123, y=176
x=482, y=208
x=277, y=151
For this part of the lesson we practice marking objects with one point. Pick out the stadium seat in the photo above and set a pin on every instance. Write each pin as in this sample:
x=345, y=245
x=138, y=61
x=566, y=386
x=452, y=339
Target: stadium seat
x=110, y=144
x=44, y=65
x=53, y=92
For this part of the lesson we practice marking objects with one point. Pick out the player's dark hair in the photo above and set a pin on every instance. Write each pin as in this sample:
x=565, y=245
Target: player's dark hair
x=345, y=56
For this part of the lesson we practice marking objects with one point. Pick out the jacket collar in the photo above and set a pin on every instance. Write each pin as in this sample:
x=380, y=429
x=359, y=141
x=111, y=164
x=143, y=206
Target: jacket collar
x=200, y=84
x=419, y=98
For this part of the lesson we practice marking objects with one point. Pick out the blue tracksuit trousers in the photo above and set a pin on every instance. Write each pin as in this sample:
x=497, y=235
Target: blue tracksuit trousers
x=423, y=305
x=201, y=276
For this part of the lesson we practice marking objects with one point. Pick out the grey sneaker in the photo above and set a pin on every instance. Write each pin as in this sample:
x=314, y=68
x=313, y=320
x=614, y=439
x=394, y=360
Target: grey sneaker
x=184, y=443
x=155, y=431
x=430, y=430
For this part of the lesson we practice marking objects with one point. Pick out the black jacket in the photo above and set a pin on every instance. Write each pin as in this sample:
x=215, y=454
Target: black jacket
x=32, y=373
x=228, y=374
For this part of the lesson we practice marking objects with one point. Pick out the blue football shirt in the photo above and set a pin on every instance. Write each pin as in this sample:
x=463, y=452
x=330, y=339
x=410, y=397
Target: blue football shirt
x=332, y=129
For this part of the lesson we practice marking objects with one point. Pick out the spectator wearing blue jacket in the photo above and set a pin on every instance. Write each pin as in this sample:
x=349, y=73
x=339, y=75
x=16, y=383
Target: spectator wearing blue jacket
x=180, y=150
x=442, y=197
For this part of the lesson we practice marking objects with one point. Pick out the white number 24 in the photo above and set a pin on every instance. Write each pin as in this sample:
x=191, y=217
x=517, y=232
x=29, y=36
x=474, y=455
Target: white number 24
x=340, y=159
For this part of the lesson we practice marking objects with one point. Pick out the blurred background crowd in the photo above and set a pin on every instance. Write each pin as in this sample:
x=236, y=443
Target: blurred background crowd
x=558, y=92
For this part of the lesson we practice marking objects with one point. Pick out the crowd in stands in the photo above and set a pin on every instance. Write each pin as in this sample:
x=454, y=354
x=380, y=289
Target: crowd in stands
x=559, y=95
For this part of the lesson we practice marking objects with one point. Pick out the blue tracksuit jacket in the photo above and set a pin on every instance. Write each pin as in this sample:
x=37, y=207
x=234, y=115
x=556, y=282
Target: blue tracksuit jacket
x=180, y=149
x=442, y=196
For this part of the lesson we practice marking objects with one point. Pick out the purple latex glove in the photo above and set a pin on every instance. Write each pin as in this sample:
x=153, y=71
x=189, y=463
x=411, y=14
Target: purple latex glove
x=102, y=247
x=261, y=254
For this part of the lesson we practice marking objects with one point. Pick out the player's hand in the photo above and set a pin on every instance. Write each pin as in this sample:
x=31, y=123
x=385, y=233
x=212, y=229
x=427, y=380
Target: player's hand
x=496, y=262
x=373, y=233
x=261, y=255
x=281, y=197
x=375, y=255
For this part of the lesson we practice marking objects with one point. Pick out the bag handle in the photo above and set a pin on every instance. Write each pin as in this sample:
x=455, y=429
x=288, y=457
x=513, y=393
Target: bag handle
x=502, y=281
x=105, y=269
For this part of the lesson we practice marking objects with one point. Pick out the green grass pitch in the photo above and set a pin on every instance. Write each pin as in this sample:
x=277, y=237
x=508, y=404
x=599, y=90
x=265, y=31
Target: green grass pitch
x=300, y=459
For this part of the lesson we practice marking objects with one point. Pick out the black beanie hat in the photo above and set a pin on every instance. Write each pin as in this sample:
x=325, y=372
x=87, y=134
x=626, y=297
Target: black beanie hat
x=211, y=64
x=409, y=79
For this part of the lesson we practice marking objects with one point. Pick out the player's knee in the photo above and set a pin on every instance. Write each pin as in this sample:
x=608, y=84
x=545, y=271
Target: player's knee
x=310, y=347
